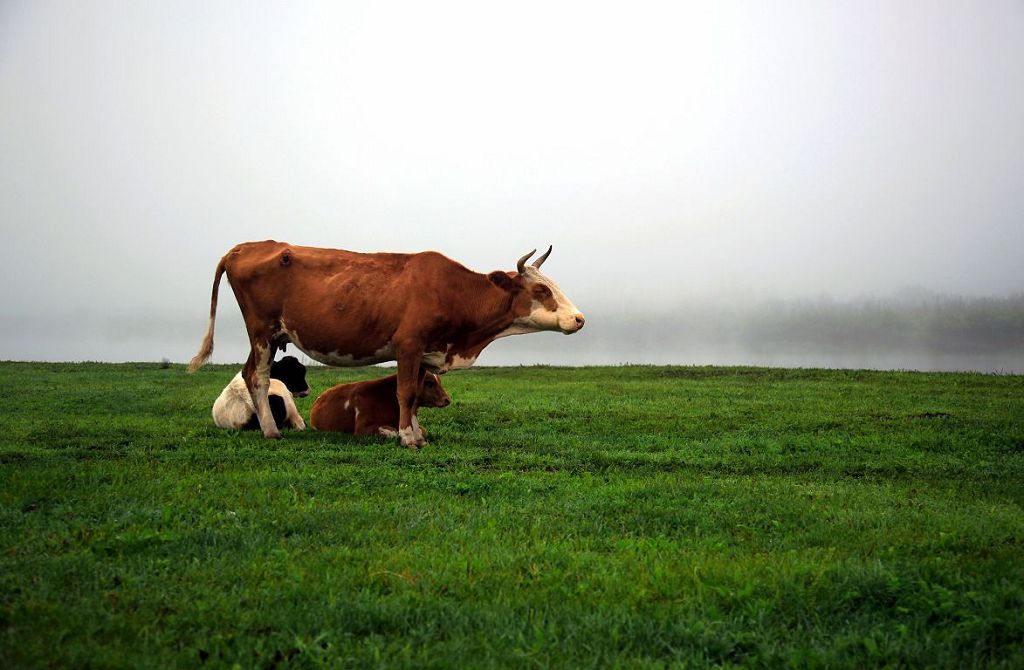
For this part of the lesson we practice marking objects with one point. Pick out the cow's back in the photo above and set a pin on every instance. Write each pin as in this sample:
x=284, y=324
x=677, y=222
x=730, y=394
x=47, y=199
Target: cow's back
x=339, y=307
x=277, y=274
x=333, y=410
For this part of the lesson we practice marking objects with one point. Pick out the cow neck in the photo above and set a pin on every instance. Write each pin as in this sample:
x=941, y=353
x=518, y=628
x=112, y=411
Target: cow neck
x=495, y=310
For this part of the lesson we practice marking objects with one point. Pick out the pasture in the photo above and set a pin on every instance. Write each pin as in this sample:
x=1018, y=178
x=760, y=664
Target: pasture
x=560, y=517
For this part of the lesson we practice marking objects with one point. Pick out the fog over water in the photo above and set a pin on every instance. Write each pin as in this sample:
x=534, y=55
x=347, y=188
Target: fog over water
x=799, y=184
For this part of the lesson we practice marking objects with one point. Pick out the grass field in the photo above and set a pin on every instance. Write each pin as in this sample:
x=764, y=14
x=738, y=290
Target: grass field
x=560, y=517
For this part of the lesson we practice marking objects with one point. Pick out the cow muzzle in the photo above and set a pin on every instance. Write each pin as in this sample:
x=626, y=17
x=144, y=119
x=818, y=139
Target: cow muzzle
x=573, y=324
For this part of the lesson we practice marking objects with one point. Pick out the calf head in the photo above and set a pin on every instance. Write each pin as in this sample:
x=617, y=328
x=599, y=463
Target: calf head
x=292, y=374
x=541, y=305
x=433, y=394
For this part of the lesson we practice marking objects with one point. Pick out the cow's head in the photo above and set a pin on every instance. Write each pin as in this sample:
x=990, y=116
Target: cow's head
x=292, y=374
x=433, y=394
x=549, y=308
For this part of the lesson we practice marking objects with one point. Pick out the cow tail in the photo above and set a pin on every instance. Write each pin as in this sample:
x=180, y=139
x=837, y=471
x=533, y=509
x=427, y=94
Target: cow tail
x=206, y=350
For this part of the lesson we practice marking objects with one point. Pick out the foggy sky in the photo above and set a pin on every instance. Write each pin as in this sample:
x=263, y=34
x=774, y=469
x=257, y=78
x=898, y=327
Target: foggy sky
x=669, y=151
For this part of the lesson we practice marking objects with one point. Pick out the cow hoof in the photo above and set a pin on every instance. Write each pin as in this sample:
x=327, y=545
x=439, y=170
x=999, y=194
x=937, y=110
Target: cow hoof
x=410, y=439
x=273, y=435
x=414, y=444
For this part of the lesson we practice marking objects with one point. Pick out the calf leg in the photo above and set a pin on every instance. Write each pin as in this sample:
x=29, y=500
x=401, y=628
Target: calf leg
x=371, y=426
x=292, y=414
x=256, y=374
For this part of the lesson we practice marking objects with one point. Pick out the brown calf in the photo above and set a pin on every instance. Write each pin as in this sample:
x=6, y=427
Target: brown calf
x=371, y=407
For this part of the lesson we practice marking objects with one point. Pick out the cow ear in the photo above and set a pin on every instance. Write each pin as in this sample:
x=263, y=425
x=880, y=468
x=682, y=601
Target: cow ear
x=502, y=280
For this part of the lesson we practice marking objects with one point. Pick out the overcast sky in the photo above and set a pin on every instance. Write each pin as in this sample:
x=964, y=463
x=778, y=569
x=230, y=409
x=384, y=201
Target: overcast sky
x=670, y=151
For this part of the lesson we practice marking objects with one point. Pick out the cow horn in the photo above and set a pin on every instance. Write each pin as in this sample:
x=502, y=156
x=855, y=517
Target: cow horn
x=521, y=263
x=537, y=263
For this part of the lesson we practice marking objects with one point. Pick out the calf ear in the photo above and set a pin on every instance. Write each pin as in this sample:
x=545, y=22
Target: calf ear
x=502, y=280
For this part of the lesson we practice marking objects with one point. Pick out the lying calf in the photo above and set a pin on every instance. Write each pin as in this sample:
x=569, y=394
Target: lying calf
x=371, y=407
x=234, y=408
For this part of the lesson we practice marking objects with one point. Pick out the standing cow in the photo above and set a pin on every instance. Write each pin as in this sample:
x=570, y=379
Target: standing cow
x=344, y=308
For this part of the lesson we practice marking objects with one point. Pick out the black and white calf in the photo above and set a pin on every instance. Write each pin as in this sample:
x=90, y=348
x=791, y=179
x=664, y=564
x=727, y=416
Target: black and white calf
x=234, y=407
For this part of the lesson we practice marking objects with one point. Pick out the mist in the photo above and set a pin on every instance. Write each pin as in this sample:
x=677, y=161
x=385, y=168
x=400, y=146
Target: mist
x=722, y=184
x=912, y=330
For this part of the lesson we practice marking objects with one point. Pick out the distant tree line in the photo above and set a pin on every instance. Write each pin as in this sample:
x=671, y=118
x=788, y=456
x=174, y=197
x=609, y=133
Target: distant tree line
x=934, y=323
x=913, y=320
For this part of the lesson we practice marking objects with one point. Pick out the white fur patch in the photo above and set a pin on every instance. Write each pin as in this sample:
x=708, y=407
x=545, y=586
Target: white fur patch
x=437, y=361
x=337, y=358
x=461, y=362
x=340, y=360
x=519, y=327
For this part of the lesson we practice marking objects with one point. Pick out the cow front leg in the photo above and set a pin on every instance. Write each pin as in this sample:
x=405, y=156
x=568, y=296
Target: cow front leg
x=410, y=375
x=256, y=374
x=369, y=426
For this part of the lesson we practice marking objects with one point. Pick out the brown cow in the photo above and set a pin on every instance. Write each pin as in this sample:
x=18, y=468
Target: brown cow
x=344, y=308
x=370, y=407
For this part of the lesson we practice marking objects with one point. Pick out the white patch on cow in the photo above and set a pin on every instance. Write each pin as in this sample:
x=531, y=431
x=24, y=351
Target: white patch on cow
x=519, y=327
x=437, y=361
x=387, y=432
x=417, y=431
x=357, y=410
x=461, y=362
x=340, y=360
x=337, y=358
x=348, y=403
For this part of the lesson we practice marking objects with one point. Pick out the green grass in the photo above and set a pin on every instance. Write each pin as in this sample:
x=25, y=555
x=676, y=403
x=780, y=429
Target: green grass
x=632, y=517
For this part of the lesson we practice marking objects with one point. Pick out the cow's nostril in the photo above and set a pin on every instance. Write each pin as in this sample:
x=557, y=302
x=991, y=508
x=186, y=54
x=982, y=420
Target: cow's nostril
x=580, y=320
